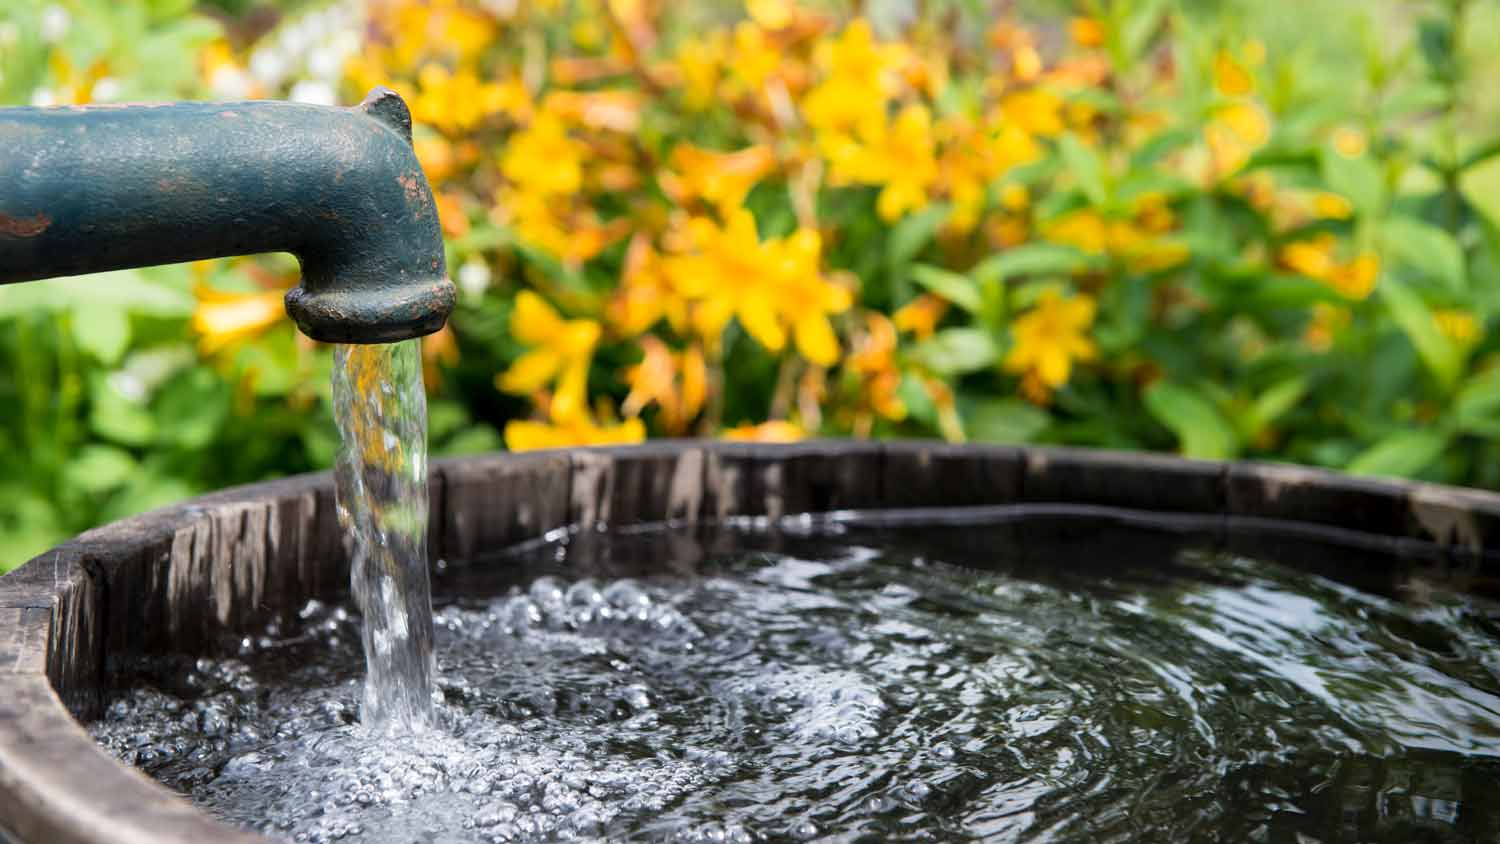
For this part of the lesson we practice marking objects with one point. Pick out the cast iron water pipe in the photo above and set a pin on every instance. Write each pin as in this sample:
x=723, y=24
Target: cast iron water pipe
x=95, y=188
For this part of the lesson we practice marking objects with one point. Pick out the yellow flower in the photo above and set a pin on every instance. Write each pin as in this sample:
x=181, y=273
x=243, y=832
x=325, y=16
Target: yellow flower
x=555, y=225
x=1230, y=77
x=904, y=162
x=921, y=315
x=974, y=156
x=1236, y=131
x=1086, y=32
x=466, y=31
x=724, y=272
x=439, y=347
x=1356, y=279
x=222, y=319
x=774, y=431
x=451, y=213
x=543, y=159
x=1331, y=206
x=873, y=359
x=1350, y=143
x=771, y=14
x=1460, y=326
x=699, y=64
x=437, y=158
x=1083, y=229
x=527, y=435
x=456, y=102
x=563, y=349
x=771, y=288
x=678, y=383
x=1050, y=337
x=1315, y=259
x=645, y=294
x=720, y=178
x=1312, y=258
x=861, y=78
x=71, y=87
x=805, y=298
x=1025, y=63
x=753, y=58
x=950, y=425
x=1015, y=198
x=1035, y=111
x=614, y=110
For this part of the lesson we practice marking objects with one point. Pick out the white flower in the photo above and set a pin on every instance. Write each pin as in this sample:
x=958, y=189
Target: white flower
x=269, y=66
x=55, y=23
x=313, y=92
x=106, y=90
x=474, y=277
x=43, y=97
x=324, y=63
x=231, y=83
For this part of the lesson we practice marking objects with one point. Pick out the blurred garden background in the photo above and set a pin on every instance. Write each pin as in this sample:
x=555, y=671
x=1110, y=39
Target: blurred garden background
x=1224, y=228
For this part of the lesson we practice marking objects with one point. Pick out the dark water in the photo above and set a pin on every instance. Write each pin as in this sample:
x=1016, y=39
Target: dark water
x=1053, y=680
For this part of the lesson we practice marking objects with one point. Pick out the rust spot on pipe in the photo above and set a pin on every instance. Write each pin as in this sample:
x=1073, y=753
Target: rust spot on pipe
x=412, y=184
x=24, y=226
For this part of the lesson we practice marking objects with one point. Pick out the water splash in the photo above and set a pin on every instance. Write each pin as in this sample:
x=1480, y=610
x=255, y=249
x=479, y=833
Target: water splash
x=381, y=407
x=780, y=689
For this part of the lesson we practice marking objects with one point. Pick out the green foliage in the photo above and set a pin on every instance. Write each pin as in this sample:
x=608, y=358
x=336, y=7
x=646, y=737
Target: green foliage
x=1240, y=349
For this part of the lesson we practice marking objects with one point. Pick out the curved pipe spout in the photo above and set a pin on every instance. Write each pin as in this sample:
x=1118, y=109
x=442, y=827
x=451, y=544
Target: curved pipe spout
x=109, y=187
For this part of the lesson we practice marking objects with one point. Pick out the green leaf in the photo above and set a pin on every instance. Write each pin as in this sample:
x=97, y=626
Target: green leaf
x=910, y=236
x=954, y=351
x=191, y=409
x=919, y=405
x=1476, y=408
x=1032, y=259
x=956, y=288
x=1007, y=420
x=1160, y=146
x=1275, y=291
x=128, y=290
x=1435, y=37
x=102, y=332
x=98, y=468
x=1201, y=429
x=1140, y=25
x=1442, y=356
x=147, y=490
x=115, y=417
x=1479, y=156
x=478, y=439
x=1402, y=454
x=1275, y=401
x=1428, y=250
x=1085, y=165
x=164, y=10
x=1411, y=99
x=1359, y=179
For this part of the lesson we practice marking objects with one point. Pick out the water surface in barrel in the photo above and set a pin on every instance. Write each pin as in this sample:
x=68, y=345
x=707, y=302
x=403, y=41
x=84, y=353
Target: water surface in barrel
x=381, y=485
x=1035, y=681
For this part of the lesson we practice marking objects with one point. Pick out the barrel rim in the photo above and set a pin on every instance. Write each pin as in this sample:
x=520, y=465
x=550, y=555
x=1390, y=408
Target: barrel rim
x=226, y=557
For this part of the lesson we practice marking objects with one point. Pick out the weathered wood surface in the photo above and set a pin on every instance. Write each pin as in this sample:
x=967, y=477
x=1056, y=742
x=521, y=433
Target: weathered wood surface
x=190, y=577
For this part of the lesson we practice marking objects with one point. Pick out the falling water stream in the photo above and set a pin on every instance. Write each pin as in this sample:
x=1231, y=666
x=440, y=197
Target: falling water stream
x=381, y=407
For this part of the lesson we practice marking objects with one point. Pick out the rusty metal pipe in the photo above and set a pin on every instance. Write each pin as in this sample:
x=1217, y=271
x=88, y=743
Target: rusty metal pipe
x=100, y=188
